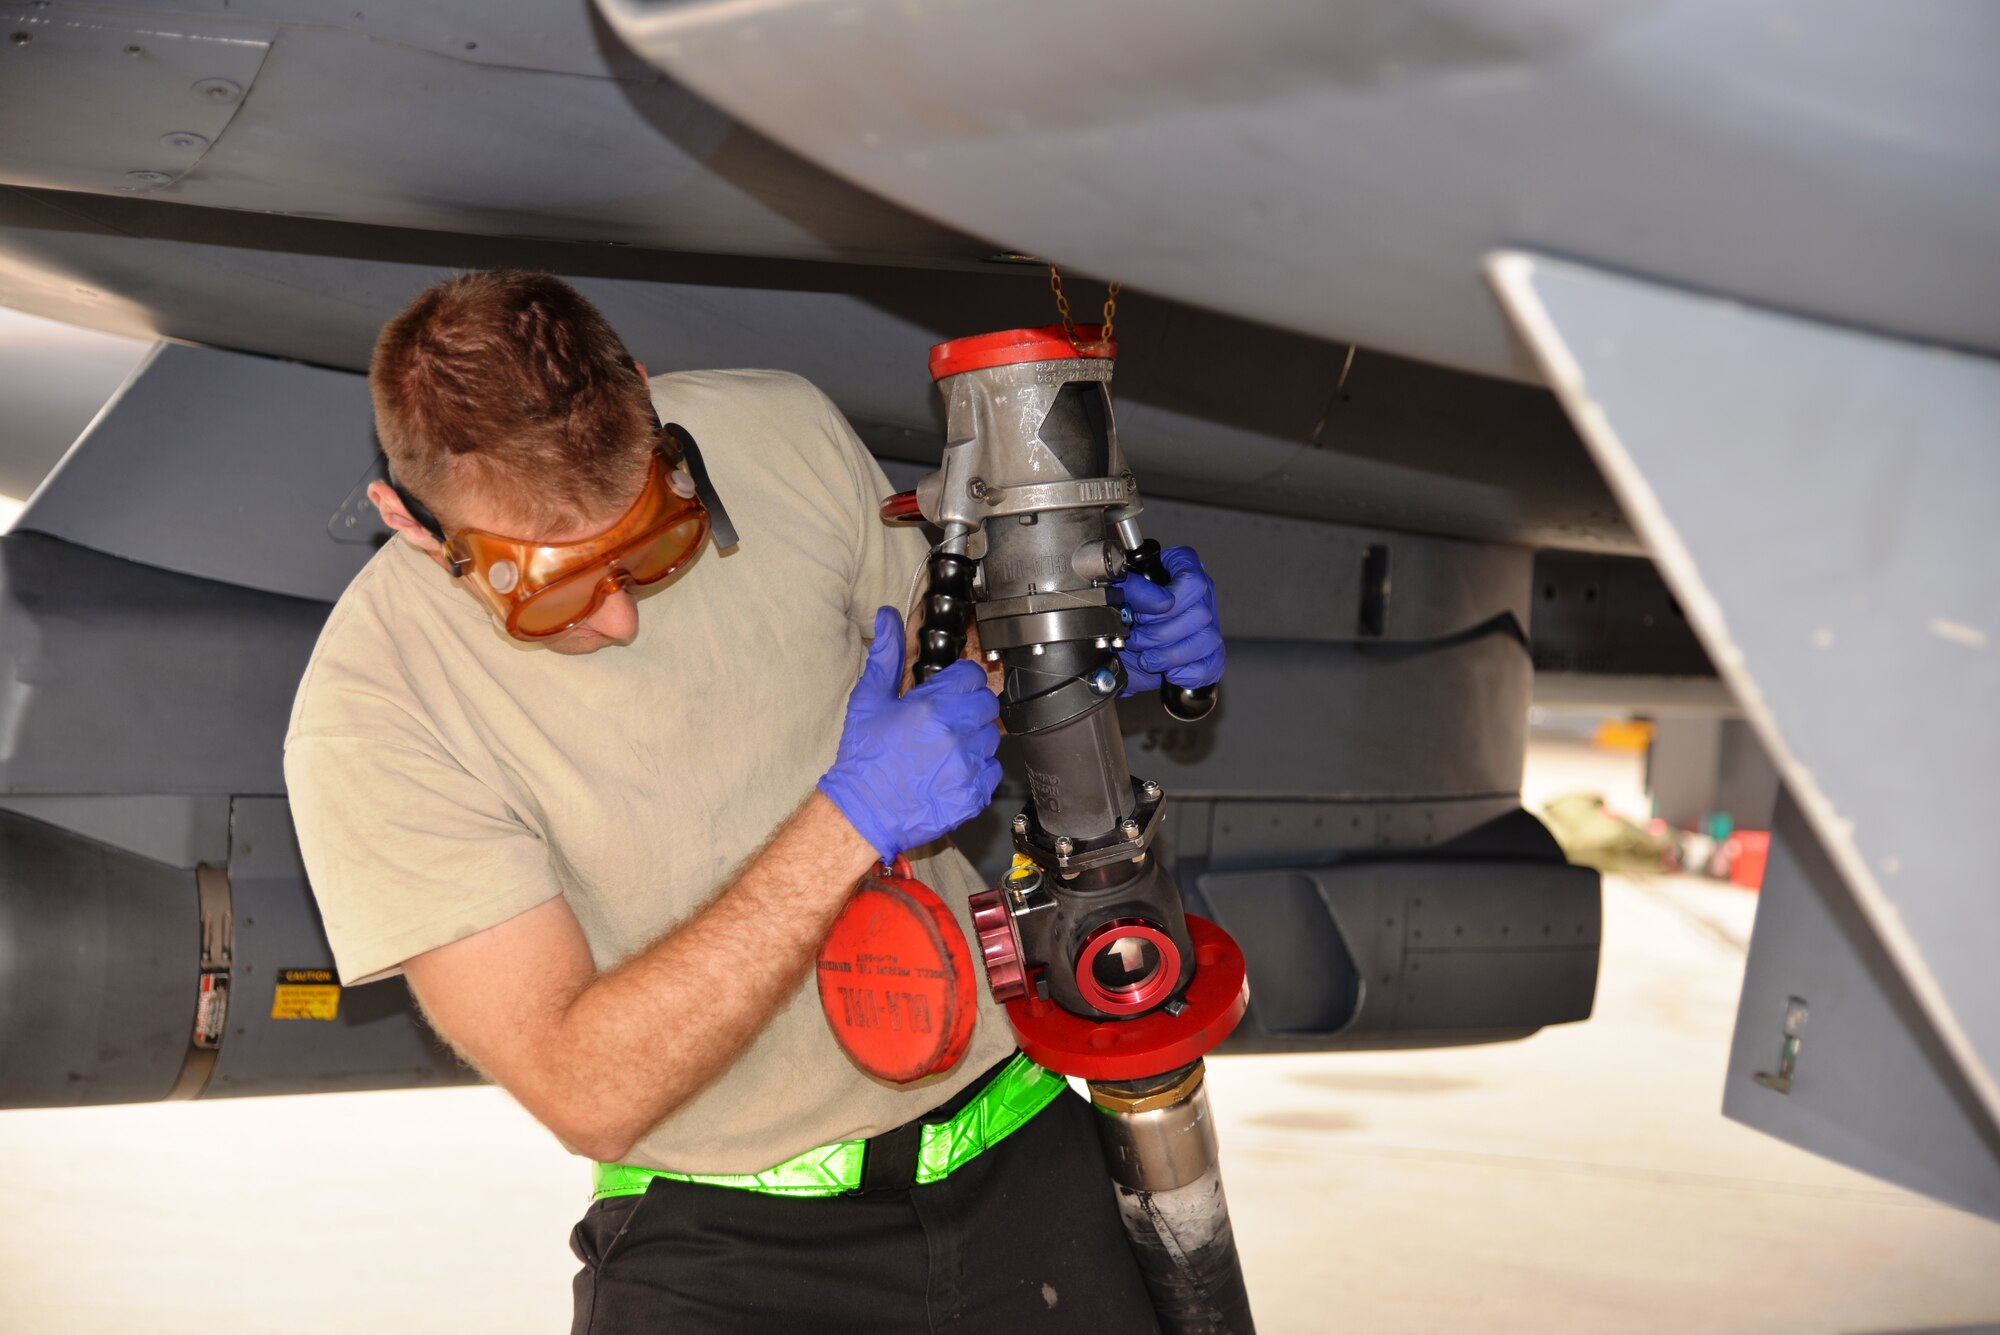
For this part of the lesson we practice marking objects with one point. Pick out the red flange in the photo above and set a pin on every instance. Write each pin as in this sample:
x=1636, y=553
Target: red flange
x=1048, y=344
x=1134, y=1049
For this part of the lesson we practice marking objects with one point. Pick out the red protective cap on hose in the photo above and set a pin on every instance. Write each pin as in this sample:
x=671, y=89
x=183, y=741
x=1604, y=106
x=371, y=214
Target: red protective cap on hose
x=895, y=979
x=1047, y=344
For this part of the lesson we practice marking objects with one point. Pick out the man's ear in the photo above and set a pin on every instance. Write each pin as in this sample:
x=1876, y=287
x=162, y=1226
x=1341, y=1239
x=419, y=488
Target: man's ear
x=397, y=517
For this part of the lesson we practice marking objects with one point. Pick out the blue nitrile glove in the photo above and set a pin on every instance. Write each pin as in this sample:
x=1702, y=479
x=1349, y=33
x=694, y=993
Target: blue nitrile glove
x=914, y=767
x=1174, y=633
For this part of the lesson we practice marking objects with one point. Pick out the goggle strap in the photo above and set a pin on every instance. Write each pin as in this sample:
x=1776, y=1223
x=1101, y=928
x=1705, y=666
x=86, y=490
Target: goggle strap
x=720, y=528
x=418, y=510
x=719, y=525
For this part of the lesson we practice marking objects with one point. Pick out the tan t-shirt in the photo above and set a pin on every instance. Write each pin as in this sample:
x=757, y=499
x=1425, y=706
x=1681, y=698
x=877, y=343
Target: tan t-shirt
x=445, y=778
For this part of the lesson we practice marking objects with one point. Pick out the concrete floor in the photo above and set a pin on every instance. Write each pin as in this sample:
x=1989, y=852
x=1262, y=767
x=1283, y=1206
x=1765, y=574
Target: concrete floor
x=1581, y=1180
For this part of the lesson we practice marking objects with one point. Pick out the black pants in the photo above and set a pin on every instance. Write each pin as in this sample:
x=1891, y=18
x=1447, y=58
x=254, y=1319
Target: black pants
x=1026, y=1237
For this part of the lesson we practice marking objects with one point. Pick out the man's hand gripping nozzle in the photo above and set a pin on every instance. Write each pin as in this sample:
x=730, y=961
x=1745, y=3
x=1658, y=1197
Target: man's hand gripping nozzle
x=912, y=768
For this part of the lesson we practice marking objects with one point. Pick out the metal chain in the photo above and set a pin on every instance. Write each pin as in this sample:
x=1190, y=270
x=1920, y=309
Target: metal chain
x=1103, y=343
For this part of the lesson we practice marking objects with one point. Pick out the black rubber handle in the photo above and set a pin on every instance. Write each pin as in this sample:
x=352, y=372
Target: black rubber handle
x=1189, y=704
x=941, y=638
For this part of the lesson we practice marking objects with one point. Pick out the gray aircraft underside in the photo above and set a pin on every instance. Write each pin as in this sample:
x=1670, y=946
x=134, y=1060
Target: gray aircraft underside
x=1444, y=317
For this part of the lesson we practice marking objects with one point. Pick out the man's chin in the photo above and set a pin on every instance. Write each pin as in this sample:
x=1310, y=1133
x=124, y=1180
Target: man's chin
x=575, y=642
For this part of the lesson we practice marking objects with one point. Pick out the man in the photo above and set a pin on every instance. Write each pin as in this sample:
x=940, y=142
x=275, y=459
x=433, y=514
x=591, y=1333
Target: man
x=603, y=845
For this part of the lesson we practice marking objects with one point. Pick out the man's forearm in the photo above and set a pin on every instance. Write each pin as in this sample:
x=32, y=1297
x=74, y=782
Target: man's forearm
x=637, y=1042
x=600, y=1058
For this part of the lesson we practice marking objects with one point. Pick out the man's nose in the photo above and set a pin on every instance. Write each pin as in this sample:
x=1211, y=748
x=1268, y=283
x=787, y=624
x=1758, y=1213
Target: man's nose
x=617, y=618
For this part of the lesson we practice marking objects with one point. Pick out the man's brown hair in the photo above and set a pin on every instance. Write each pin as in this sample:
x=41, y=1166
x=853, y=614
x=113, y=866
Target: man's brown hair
x=512, y=389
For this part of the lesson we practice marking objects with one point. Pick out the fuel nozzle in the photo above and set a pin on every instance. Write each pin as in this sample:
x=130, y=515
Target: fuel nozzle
x=1104, y=974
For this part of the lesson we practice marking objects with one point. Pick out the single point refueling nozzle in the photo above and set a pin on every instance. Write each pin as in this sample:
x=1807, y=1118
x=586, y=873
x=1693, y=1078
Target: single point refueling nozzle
x=1104, y=974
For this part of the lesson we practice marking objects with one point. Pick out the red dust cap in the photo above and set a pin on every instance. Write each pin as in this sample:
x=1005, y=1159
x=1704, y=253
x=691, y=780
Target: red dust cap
x=895, y=979
x=1010, y=346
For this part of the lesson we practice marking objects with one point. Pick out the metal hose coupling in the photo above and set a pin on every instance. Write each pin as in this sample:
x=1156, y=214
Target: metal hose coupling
x=1159, y=1142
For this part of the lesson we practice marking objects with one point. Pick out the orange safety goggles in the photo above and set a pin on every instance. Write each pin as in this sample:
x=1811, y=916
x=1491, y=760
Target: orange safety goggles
x=541, y=589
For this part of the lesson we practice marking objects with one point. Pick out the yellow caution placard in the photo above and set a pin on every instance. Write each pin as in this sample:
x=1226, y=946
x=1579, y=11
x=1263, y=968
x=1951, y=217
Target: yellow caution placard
x=1633, y=736
x=306, y=994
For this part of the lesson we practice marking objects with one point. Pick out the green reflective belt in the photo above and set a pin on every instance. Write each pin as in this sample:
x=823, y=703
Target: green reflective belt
x=1017, y=1093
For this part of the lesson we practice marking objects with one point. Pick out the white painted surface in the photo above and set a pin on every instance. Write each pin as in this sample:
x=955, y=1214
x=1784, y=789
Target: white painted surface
x=1581, y=1181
